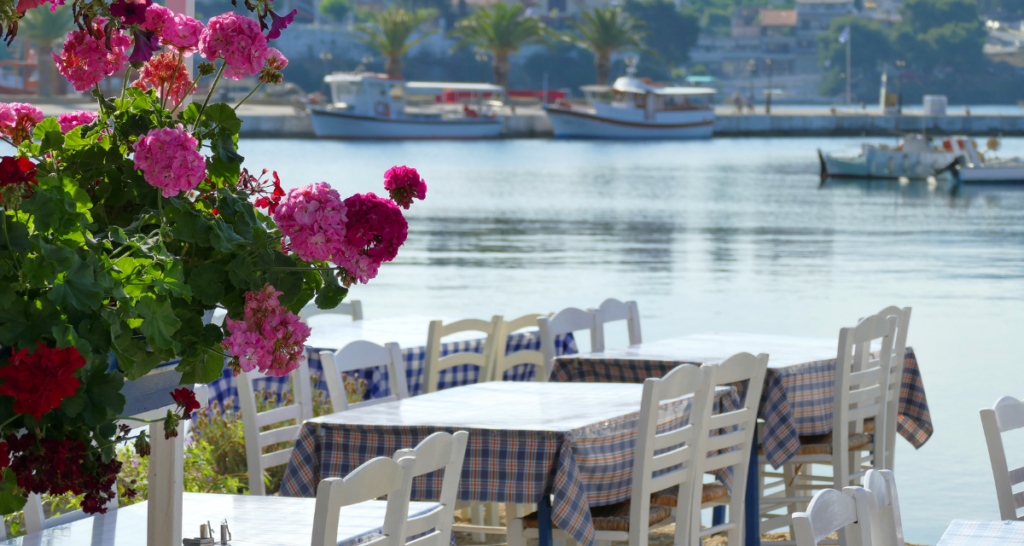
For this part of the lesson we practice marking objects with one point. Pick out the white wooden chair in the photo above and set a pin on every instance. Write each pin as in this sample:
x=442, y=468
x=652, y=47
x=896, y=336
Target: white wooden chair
x=832, y=511
x=302, y=410
x=35, y=519
x=899, y=351
x=360, y=355
x=727, y=439
x=567, y=321
x=613, y=310
x=375, y=478
x=1005, y=415
x=353, y=308
x=682, y=448
x=886, y=525
x=435, y=364
x=503, y=361
x=436, y=452
x=861, y=387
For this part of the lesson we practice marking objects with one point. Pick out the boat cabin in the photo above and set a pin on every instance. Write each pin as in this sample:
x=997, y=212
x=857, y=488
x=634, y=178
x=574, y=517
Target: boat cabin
x=630, y=93
x=370, y=94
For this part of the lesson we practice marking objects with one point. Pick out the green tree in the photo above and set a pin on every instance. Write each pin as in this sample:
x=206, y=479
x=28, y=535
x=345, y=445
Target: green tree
x=672, y=32
x=336, y=9
x=389, y=33
x=606, y=31
x=941, y=34
x=870, y=49
x=43, y=29
x=499, y=30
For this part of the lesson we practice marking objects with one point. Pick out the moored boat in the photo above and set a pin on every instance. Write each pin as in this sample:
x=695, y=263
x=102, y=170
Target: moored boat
x=373, y=106
x=914, y=158
x=633, y=108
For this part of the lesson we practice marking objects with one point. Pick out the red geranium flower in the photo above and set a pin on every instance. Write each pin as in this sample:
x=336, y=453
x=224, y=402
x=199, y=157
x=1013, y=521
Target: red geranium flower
x=40, y=381
x=17, y=171
x=186, y=399
x=5, y=456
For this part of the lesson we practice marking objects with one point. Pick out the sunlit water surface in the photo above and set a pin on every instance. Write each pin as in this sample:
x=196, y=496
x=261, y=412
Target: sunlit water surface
x=718, y=235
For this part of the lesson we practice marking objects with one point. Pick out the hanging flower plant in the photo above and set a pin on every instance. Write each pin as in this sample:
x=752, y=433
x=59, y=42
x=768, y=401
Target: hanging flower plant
x=121, y=229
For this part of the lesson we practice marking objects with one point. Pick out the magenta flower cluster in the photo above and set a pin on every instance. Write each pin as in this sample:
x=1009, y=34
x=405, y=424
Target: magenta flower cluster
x=85, y=58
x=18, y=119
x=239, y=41
x=269, y=338
x=183, y=33
x=404, y=183
x=357, y=234
x=168, y=160
x=75, y=119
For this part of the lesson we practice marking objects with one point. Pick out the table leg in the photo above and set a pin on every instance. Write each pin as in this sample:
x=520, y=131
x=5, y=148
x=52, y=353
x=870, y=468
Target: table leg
x=752, y=503
x=717, y=515
x=544, y=520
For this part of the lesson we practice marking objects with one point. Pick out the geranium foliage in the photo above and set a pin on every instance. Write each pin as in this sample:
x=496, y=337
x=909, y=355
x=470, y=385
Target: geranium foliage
x=122, y=230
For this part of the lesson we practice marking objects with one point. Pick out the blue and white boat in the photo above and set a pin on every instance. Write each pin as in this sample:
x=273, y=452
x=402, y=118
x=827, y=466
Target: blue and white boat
x=373, y=106
x=634, y=108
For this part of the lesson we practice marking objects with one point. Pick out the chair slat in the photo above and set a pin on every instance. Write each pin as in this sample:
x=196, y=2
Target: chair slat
x=277, y=415
x=1017, y=475
x=724, y=460
x=670, y=459
x=726, y=420
x=726, y=440
x=674, y=437
x=280, y=435
x=277, y=458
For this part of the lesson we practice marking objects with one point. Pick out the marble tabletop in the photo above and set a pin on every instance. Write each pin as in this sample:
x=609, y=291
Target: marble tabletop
x=254, y=521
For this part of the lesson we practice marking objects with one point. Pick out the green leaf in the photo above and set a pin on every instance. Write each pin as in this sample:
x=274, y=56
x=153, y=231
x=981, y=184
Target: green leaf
x=78, y=287
x=205, y=370
x=189, y=226
x=227, y=150
x=17, y=233
x=242, y=273
x=330, y=296
x=48, y=125
x=222, y=115
x=103, y=390
x=170, y=281
x=159, y=322
x=47, y=210
x=133, y=357
x=207, y=282
x=11, y=499
x=224, y=237
x=62, y=256
x=80, y=201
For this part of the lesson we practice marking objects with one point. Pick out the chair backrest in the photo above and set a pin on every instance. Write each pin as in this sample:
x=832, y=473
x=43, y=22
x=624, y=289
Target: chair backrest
x=360, y=355
x=1005, y=415
x=612, y=310
x=35, y=516
x=567, y=321
x=438, y=451
x=677, y=448
x=252, y=422
x=353, y=308
x=887, y=527
x=503, y=360
x=374, y=478
x=728, y=436
x=861, y=387
x=435, y=363
x=899, y=350
x=832, y=511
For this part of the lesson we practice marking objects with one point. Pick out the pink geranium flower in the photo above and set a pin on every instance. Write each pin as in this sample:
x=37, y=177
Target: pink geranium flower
x=168, y=160
x=18, y=119
x=404, y=183
x=313, y=218
x=74, y=119
x=85, y=60
x=237, y=40
x=157, y=17
x=269, y=337
x=183, y=33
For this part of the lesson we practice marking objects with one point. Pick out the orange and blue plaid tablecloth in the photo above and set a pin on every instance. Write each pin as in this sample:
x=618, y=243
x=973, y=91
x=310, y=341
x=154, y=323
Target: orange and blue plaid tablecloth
x=582, y=462
x=796, y=400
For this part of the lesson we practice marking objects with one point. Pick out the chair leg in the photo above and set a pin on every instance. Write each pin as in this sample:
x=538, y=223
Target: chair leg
x=515, y=532
x=790, y=473
x=477, y=518
x=493, y=515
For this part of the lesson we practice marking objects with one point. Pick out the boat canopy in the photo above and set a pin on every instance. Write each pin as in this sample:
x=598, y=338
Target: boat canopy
x=635, y=85
x=358, y=76
x=440, y=87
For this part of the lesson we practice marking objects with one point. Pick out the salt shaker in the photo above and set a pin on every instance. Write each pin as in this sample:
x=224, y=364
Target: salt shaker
x=225, y=533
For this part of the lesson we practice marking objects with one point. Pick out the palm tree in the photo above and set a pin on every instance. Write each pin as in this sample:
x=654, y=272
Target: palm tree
x=388, y=33
x=44, y=29
x=606, y=31
x=500, y=31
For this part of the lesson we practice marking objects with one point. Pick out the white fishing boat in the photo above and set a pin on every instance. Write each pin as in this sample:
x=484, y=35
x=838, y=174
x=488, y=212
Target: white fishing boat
x=634, y=108
x=976, y=170
x=373, y=106
x=914, y=158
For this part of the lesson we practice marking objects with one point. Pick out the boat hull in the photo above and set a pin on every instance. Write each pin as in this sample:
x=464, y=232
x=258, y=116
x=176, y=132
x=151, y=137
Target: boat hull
x=886, y=165
x=992, y=176
x=575, y=124
x=334, y=124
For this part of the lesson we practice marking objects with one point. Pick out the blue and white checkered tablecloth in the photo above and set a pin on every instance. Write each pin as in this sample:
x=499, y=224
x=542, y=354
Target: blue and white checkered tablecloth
x=224, y=389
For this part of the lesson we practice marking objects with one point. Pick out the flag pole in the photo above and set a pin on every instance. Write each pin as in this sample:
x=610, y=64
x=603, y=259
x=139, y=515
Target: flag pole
x=849, y=75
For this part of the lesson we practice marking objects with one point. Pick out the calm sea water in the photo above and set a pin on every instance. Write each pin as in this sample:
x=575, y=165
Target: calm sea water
x=718, y=235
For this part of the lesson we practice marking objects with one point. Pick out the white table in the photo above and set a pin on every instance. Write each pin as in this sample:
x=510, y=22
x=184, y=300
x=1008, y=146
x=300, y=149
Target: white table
x=714, y=348
x=963, y=532
x=336, y=331
x=263, y=521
